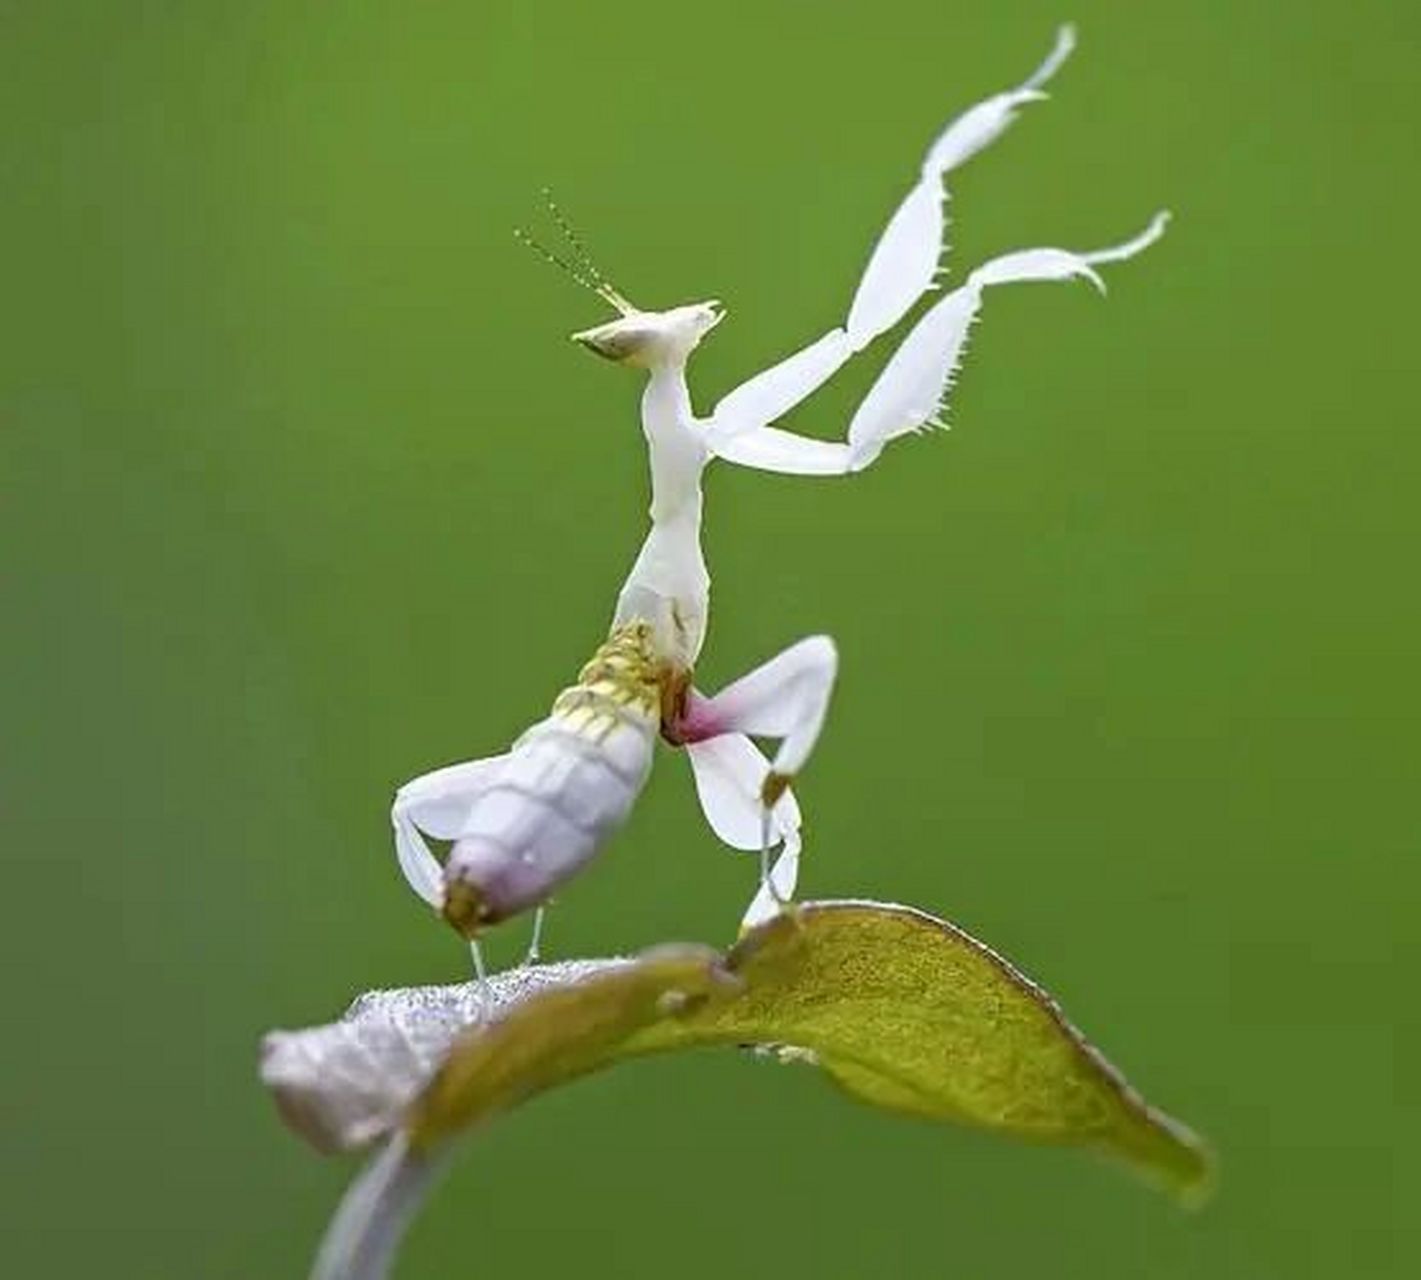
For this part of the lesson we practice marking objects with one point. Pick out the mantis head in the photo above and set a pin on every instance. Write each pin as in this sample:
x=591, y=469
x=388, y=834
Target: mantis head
x=646, y=339
x=642, y=339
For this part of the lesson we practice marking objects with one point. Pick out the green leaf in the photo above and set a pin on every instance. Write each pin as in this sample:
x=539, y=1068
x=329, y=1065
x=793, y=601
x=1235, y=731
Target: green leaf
x=560, y=1033
x=903, y=1010
x=908, y=1012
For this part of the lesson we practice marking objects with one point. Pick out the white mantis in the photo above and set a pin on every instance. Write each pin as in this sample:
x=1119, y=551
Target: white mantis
x=523, y=822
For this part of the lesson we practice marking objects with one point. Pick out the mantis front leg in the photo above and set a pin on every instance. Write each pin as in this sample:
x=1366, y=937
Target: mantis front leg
x=912, y=390
x=904, y=263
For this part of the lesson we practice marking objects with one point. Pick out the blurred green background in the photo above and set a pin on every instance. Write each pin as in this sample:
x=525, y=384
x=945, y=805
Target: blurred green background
x=307, y=492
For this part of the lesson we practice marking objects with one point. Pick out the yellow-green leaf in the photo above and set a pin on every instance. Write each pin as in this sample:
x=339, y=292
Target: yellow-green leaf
x=909, y=1012
x=559, y=1033
x=903, y=1010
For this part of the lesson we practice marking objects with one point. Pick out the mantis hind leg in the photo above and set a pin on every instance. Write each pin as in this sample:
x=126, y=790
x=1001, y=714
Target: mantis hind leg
x=483, y=991
x=534, y=954
x=748, y=804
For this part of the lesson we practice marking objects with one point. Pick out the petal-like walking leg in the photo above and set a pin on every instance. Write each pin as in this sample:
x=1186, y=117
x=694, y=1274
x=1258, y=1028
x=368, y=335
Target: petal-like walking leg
x=747, y=800
x=776, y=885
x=730, y=773
x=436, y=804
x=785, y=698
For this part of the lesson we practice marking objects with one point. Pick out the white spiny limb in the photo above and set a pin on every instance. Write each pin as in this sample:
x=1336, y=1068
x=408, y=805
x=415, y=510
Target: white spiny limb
x=774, y=449
x=902, y=267
x=906, y=258
x=910, y=392
x=772, y=393
x=978, y=127
x=1063, y=264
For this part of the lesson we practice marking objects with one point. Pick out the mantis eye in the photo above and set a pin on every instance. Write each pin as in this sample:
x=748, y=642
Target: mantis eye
x=616, y=341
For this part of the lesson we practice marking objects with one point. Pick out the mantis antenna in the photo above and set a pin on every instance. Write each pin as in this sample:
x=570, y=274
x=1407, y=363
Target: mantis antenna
x=582, y=269
x=605, y=287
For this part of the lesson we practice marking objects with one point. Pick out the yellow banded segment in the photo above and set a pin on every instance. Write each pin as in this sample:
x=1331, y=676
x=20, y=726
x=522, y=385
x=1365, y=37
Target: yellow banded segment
x=623, y=680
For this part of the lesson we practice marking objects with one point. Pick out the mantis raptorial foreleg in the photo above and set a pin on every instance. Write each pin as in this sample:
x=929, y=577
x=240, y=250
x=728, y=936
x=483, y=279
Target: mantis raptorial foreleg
x=911, y=391
x=906, y=258
x=902, y=267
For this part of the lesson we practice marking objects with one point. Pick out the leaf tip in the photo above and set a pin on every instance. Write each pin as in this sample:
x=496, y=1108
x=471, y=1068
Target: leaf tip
x=1169, y=1156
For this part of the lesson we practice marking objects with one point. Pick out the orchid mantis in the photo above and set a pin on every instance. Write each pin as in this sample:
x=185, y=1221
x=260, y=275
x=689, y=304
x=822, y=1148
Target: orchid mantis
x=522, y=823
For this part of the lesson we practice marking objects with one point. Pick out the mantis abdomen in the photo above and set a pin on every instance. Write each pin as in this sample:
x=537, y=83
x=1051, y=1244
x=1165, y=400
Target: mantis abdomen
x=562, y=791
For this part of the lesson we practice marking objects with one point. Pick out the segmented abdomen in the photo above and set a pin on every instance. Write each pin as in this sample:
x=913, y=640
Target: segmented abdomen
x=564, y=789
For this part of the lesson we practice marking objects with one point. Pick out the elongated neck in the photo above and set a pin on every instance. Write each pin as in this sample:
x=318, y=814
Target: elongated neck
x=669, y=586
x=677, y=455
